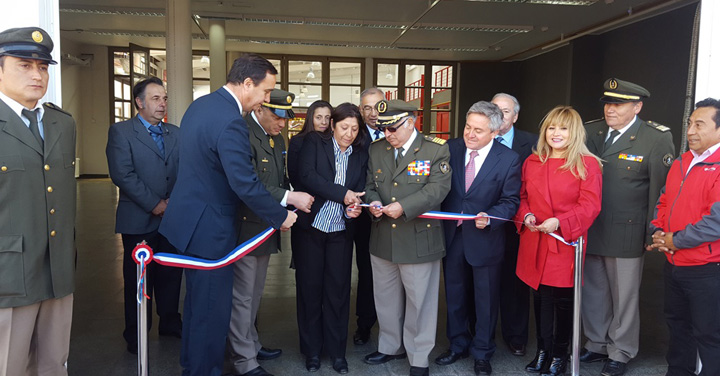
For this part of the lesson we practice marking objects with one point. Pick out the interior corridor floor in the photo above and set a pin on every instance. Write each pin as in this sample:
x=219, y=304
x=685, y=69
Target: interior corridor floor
x=97, y=347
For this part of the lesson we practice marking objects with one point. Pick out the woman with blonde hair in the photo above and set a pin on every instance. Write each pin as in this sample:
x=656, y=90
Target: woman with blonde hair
x=560, y=193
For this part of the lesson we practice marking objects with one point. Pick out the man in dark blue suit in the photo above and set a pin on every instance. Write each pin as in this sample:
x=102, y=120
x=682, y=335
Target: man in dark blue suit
x=216, y=173
x=514, y=293
x=144, y=166
x=486, y=182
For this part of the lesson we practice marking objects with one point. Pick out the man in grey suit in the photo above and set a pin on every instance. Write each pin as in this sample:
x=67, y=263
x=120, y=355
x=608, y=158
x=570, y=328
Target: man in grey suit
x=514, y=293
x=37, y=211
x=408, y=174
x=268, y=157
x=142, y=156
x=637, y=157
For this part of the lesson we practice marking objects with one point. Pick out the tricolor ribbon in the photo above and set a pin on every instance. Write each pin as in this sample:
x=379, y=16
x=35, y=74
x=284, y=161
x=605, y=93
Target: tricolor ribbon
x=189, y=262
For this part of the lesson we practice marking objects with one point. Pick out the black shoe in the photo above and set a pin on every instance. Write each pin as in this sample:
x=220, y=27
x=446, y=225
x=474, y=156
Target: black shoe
x=557, y=366
x=380, y=358
x=587, y=356
x=540, y=364
x=362, y=336
x=613, y=368
x=340, y=365
x=257, y=372
x=482, y=367
x=267, y=354
x=132, y=348
x=177, y=333
x=450, y=357
x=517, y=350
x=312, y=363
x=170, y=326
x=419, y=371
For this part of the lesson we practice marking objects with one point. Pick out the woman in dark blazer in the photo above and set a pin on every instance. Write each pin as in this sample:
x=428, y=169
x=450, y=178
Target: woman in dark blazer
x=317, y=119
x=333, y=166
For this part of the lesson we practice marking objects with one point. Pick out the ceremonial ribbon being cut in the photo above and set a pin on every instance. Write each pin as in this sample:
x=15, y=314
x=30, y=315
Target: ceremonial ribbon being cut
x=468, y=217
x=189, y=262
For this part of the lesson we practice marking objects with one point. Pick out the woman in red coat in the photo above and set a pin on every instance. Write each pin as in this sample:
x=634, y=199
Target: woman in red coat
x=560, y=193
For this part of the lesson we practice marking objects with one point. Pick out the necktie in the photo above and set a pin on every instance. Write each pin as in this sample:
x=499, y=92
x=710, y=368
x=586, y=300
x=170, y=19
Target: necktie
x=34, y=129
x=610, y=139
x=469, y=173
x=157, y=135
x=399, y=156
x=377, y=134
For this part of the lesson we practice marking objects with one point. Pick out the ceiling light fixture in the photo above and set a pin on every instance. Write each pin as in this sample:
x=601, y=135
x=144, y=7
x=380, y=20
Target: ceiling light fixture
x=311, y=74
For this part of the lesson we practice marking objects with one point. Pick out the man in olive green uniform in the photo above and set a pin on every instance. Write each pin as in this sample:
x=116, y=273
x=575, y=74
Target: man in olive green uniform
x=268, y=151
x=408, y=175
x=37, y=211
x=637, y=156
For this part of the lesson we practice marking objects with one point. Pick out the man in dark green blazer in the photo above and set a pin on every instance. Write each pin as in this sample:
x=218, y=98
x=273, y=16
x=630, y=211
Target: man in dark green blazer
x=37, y=210
x=637, y=156
x=268, y=157
x=408, y=175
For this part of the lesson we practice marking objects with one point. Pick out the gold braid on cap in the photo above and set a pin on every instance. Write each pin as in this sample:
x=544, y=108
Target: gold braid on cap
x=622, y=96
x=279, y=106
x=393, y=117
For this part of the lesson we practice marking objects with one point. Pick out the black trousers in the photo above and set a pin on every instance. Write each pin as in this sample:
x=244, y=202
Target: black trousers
x=163, y=286
x=514, y=294
x=323, y=266
x=365, y=301
x=553, y=318
x=692, y=313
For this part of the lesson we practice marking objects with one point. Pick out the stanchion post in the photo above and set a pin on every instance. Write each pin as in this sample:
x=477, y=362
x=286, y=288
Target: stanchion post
x=142, y=314
x=576, y=308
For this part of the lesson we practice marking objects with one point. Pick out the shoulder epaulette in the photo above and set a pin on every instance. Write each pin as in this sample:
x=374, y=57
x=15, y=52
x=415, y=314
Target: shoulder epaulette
x=57, y=108
x=657, y=126
x=594, y=121
x=436, y=140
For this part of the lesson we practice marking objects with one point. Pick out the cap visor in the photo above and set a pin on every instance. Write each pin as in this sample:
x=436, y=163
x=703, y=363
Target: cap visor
x=287, y=114
x=31, y=55
x=608, y=99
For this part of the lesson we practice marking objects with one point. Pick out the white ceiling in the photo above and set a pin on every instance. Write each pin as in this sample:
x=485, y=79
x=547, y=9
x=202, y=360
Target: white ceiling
x=477, y=30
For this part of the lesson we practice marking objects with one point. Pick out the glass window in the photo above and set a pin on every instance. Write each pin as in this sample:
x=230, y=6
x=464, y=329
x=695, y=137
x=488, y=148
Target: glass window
x=345, y=73
x=140, y=62
x=121, y=64
x=387, y=75
x=411, y=87
x=305, y=71
x=442, y=76
x=277, y=64
x=342, y=94
x=305, y=95
x=200, y=88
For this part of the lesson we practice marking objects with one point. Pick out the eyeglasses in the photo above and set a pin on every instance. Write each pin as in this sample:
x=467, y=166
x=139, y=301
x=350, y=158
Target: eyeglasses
x=392, y=129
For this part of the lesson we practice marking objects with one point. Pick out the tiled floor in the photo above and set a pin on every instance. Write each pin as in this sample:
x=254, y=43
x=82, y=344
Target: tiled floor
x=98, y=349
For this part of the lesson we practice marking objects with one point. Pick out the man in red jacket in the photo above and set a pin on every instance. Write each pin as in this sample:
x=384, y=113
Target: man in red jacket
x=687, y=228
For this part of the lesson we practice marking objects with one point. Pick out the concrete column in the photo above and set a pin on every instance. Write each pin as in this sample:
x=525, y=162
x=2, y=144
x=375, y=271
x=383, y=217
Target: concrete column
x=179, y=58
x=218, y=68
x=45, y=14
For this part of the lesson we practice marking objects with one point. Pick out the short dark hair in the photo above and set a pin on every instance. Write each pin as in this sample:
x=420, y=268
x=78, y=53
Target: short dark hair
x=251, y=66
x=139, y=89
x=349, y=110
x=309, y=124
x=714, y=103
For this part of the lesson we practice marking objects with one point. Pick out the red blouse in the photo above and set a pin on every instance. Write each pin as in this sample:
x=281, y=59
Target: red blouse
x=547, y=191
